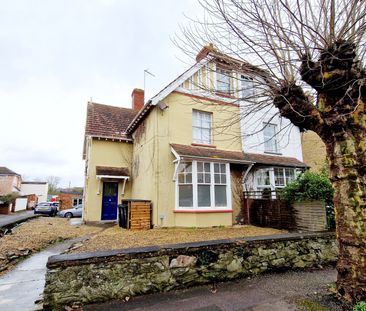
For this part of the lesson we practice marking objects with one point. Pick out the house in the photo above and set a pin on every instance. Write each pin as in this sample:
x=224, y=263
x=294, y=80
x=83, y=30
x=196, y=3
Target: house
x=38, y=188
x=313, y=150
x=69, y=199
x=9, y=181
x=186, y=149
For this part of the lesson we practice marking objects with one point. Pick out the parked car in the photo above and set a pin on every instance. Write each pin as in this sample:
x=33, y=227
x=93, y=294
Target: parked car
x=46, y=208
x=76, y=211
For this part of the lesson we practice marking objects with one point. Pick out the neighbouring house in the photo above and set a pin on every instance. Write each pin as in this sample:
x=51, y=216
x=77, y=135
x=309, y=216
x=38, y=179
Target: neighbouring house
x=69, y=199
x=9, y=181
x=313, y=150
x=39, y=188
x=187, y=150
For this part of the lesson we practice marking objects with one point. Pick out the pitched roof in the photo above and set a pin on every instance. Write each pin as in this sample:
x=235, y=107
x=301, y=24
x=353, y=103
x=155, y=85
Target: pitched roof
x=112, y=171
x=235, y=156
x=274, y=160
x=210, y=153
x=143, y=113
x=108, y=121
x=5, y=171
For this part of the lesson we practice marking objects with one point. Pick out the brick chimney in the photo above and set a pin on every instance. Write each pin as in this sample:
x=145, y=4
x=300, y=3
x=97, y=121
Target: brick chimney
x=205, y=51
x=138, y=99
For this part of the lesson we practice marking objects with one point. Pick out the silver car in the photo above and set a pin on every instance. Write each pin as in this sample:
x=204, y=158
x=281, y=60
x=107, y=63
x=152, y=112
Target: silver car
x=76, y=211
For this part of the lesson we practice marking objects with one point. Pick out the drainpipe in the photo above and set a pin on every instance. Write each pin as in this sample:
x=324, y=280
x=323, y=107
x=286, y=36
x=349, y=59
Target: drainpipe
x=244, y=178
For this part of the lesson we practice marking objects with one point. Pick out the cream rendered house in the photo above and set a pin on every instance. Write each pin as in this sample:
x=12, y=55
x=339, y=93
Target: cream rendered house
x=182, y=150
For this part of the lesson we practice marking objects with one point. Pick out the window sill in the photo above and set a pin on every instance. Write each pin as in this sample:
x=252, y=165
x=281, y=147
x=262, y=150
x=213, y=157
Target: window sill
x=202, y=211
x=203, y=145
x=271, y=152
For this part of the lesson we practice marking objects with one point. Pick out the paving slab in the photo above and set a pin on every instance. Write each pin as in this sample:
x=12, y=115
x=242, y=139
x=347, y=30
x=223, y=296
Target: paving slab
x=21, y=287
x=8, y=220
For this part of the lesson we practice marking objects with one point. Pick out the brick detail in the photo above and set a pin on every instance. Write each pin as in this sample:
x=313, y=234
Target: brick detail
x=138, y=99
x=313, y=150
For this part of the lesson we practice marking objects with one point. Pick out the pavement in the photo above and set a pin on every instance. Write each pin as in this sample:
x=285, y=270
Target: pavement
x=21, y=287
x=269, y=292
x=14, y=218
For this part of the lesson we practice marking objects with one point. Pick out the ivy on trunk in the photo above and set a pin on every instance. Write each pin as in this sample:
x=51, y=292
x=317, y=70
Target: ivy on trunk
x=339, y=119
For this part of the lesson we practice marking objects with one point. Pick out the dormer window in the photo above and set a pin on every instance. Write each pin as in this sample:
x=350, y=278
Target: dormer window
x=247, y=87
x=223, y=80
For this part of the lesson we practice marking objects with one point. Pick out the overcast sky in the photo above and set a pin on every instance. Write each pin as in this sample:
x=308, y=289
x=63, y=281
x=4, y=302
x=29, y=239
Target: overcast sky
x=56, y=55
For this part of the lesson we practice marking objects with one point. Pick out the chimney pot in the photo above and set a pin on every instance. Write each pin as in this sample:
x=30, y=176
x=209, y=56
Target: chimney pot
x=138, y=99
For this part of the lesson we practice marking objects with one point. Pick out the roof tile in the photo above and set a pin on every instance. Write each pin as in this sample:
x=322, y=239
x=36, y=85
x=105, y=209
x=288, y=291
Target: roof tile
x=5, y=171
x=108, y=121
x=236, y=156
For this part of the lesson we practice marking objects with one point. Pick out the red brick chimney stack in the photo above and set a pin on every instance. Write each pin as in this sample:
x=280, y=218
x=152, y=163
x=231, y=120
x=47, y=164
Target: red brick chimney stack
x=205, y=51
x=138, y=99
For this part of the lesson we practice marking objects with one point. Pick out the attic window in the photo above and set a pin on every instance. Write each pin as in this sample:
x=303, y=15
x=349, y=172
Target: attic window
x=247, y=87
x=223, y=80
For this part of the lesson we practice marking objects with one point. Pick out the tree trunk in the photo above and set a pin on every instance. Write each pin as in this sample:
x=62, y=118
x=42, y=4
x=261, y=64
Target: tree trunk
x=348, y=178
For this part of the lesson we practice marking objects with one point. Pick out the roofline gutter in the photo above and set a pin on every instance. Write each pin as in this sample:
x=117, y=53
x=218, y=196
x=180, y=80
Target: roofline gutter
x=216, y=159
x=135, y=121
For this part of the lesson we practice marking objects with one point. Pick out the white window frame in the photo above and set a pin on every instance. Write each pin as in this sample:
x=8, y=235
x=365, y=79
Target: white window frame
x=223, y=78
x=212, y=207
x=271, y=139
x=247, y=90
x=272, y=177
x=197, y=118
x=77, y=201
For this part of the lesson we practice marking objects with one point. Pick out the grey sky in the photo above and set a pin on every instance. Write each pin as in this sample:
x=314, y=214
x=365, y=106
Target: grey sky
x=55, y=55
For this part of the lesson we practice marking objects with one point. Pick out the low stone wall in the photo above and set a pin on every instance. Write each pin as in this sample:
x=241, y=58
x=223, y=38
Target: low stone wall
x=96, y=277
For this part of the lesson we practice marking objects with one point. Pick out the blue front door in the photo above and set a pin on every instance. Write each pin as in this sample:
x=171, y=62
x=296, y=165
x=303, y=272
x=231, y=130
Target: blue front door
x=109, y=202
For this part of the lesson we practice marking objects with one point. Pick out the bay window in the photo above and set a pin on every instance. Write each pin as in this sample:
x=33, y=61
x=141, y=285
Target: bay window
x=283, y=176
x=274, y=177
x=185, y=185
x=203, y=185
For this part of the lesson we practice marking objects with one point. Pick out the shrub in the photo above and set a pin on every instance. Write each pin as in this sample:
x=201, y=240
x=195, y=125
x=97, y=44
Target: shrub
x=8, y=198
x=309, y=186
x=361, y=306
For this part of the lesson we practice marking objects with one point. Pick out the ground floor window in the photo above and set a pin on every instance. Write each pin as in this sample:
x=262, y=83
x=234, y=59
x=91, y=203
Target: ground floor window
x=203, y=185
x=268, y=180
x=76, y=201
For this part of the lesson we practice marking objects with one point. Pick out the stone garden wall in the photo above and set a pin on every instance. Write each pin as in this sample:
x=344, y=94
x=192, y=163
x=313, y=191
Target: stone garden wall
x=96, y=277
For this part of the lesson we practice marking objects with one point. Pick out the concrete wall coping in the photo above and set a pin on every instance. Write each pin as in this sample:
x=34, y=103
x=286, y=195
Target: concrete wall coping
x=150, y=251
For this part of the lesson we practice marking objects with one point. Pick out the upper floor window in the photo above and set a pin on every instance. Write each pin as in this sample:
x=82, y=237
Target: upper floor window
x=223, y=80
x=247, y=87
x=202, y=127
x=270, y=139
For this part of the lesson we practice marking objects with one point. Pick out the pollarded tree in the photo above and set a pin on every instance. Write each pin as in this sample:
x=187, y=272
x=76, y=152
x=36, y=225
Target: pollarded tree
x=311, y=54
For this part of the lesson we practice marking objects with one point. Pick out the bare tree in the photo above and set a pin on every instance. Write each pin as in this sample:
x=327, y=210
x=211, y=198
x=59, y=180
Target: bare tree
x=309, y=55
x=53, y=182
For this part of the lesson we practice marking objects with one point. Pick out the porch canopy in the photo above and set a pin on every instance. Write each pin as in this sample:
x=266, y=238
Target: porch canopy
x=112, y=173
